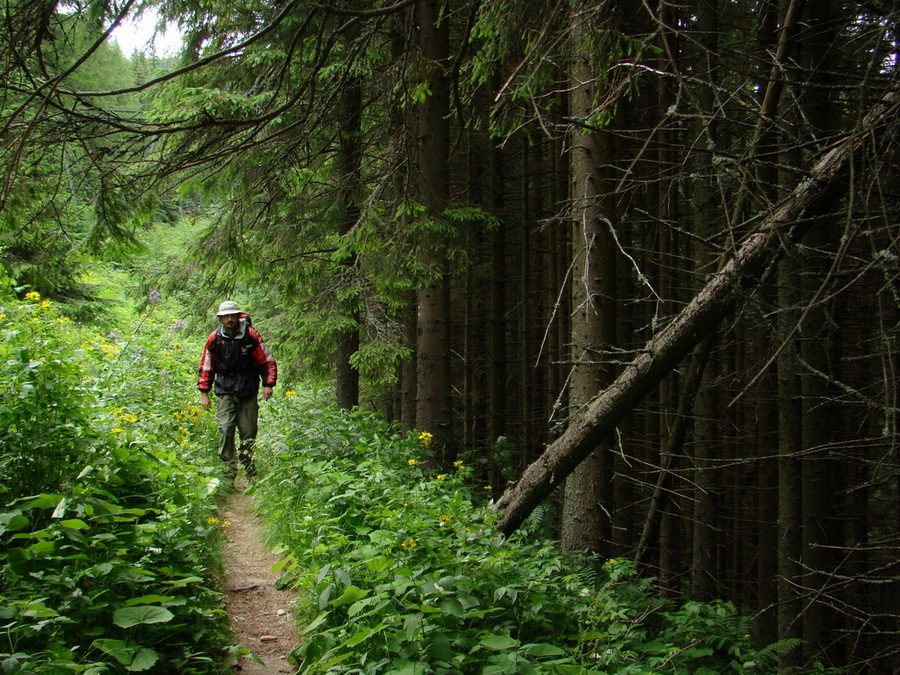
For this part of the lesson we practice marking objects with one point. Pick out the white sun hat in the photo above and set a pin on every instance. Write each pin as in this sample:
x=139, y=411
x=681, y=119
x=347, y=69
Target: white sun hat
x=228, y=307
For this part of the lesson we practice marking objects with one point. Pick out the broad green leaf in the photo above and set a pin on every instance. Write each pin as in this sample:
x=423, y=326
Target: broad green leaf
x=144, y=659
x=152, y=599
x=116, y=649
x=498, y=643
x=126, y=617
x=315, y=624
x=75, y=524
x=42, y=501
x=405, y=667
x=439, y=648
x=342, y=576
x=453, y=607
x=361, y=636
x=184, y=581
x=543, y=650
x=43, y=548
x=60, y=509
x=350, y=595
x=378, y=564
x=12, y=521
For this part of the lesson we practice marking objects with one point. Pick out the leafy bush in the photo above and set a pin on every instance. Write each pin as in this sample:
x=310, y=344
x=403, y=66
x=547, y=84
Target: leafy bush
x=108, y=544
x=403, y=570
x=45, y=401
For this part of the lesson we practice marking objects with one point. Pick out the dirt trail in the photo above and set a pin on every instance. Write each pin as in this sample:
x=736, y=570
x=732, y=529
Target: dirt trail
x=260, y=614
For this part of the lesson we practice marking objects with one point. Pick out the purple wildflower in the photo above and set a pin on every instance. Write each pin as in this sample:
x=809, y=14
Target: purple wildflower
x=154, y=297
x=178, y=325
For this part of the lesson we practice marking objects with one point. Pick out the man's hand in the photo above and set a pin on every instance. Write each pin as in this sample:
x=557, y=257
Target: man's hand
x=267, y=393
x=204, y=400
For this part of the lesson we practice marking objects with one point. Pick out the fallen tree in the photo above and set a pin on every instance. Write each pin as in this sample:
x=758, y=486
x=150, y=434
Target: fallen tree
x=784, y=225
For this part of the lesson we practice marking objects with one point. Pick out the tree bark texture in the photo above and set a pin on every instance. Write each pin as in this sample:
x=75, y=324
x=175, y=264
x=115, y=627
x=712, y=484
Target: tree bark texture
x=587, y=503
x=433, y=413
x=349, y=160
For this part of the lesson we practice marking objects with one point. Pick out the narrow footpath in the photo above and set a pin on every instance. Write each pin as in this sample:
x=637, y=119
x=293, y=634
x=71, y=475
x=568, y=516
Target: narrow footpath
x=260, y=614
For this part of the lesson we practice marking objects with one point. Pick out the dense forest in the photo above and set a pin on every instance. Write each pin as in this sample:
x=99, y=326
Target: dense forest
x=633, y=261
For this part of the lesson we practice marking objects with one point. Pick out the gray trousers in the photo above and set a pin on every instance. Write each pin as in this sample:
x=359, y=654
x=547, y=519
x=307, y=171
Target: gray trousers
x=241, y=414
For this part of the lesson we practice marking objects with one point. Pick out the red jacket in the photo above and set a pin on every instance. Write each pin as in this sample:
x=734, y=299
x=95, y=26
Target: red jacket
x=236, y=364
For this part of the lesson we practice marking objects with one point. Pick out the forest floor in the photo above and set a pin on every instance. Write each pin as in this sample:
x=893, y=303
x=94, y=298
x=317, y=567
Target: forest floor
x=260, y=614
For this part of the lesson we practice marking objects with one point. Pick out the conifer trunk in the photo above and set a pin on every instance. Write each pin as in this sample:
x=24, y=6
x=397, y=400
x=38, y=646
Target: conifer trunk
x=347, y=377
x=433, y=413
x=588, y=502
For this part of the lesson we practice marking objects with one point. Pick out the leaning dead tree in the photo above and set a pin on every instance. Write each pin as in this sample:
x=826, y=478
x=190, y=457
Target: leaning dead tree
x=785, y=224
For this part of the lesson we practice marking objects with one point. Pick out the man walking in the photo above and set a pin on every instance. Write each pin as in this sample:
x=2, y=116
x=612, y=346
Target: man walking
x=235, y=360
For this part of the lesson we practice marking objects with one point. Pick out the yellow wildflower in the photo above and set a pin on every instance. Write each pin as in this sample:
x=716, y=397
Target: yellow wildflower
x=443, y=518
x=212, y=521
x=458, y=464
x=425, y=439
x=45, y=304
x=32, y=296
x=2, y=316
x=408, y=544
x=442, y=476
x=110, y=350
x=488, y=488
x=412, y=462
x=117, y=430
x=290, y=393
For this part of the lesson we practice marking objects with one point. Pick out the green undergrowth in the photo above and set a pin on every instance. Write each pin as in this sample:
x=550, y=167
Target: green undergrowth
x=108, y=541
x=400, y=569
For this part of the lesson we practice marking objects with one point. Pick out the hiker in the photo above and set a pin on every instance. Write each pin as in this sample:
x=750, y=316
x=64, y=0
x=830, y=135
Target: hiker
x=235, y=360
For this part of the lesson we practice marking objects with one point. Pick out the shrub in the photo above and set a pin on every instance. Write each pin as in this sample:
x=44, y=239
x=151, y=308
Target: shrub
x=403, y=570
x=108, y=547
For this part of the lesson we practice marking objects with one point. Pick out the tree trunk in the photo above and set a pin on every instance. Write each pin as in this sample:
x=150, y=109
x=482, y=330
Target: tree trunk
x=525, y=304
x=347, y=377
x=587, y=503
x=497, y=319
x=408, y=369
x=821, y=470
x=697, y=320
x=705, y=535
x=789, y=443
x=433, y=403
